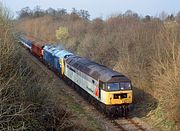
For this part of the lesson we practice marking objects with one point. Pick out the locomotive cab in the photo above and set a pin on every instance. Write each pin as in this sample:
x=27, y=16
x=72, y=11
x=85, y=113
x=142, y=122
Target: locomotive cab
x=116, y=93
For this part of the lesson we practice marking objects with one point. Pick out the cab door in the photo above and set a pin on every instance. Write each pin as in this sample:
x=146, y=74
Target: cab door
x=101, y=86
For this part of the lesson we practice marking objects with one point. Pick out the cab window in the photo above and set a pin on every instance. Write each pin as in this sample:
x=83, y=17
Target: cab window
x=125, y=85
x=113, y=86
x=102, y=85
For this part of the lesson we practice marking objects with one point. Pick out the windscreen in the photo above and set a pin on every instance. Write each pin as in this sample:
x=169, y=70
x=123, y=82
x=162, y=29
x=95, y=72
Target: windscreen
x=119, y=86
x=113, y=86
x=125, y=85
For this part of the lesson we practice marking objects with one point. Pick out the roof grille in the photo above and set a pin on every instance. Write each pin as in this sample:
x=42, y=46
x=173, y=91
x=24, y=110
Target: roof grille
x=118, y=76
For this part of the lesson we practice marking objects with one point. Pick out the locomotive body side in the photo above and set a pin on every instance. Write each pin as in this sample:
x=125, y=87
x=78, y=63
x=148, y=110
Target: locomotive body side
x=48, y=55
x=86, y=82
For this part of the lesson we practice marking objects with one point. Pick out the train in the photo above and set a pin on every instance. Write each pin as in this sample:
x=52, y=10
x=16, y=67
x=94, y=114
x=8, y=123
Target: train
x=109, y=90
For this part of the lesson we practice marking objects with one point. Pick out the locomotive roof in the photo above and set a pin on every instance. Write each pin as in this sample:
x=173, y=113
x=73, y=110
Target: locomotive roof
x=57, y=51
x=95, y=70
x=62, y=53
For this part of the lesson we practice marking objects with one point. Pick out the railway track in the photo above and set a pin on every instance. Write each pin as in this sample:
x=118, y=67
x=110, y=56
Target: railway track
x=128, y=125
x=121, y=124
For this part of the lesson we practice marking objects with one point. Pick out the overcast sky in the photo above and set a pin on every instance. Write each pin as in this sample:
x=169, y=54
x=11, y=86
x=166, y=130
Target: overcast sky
x=101, y=8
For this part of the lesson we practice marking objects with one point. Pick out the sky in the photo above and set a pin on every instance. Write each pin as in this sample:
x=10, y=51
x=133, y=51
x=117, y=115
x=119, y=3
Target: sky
x=101, y=8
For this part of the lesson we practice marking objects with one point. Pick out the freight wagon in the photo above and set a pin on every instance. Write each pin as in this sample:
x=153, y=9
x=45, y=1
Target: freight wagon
x=37, y=49
x=26, y=41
